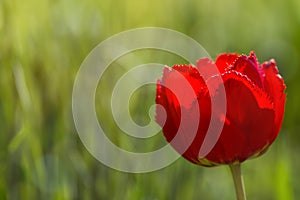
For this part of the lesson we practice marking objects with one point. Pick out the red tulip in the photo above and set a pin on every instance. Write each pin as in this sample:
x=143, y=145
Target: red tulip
x=255, y=101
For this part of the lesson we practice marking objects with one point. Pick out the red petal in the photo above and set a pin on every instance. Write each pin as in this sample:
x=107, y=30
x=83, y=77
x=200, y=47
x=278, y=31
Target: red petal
x=275, y=87
x=249, y=67
x=225, y=61
x=207, y=68
x=253, y=58
x=180, y=82
x=204, y=106
x=169, y=118
x=180, y=79
x=249, y=123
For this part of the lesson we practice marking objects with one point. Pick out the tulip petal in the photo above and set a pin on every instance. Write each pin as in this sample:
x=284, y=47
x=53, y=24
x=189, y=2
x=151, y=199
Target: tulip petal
x=207, y=68
x=249, y=120
x=202, y=104
x=249, y=67
x=181, y=79
x=168, y=100
x=274, y=86
x=170, y=90
x=225, y=61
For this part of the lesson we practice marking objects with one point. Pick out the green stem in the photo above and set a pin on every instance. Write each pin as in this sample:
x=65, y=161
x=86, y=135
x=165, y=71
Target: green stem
x=238, y=181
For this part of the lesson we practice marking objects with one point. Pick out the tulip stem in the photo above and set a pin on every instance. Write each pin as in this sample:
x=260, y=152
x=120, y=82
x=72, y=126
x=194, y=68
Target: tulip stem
x=238, y=181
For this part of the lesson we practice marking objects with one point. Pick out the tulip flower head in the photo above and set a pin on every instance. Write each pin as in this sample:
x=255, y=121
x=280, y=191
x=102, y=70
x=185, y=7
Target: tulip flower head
x=255, y=100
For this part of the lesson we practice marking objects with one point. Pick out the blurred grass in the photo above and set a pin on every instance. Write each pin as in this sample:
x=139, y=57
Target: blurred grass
x=42, y=44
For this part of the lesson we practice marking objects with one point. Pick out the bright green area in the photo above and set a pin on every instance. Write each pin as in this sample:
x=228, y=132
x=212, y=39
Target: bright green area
x=43, y=43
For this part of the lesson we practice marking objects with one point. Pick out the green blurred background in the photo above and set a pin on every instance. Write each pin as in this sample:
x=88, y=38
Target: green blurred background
x=43, y=43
